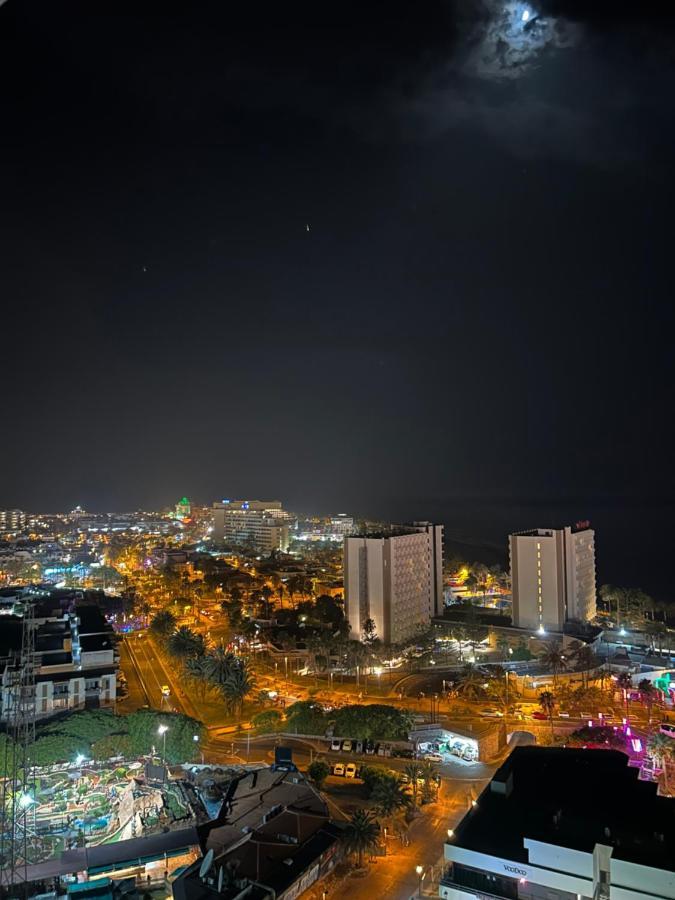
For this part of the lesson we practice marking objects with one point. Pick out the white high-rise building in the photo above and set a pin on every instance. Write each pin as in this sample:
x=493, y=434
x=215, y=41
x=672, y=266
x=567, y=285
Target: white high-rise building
x=553, y=576
x=12, y=520
x=262, y=523
x=394, y=579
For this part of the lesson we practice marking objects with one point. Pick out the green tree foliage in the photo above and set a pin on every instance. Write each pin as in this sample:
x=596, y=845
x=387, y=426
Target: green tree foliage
x=389, y=796
x=375, y=722
x=180, y=743
x=373, y=775
x=361, y=834
x=601, y=734
x=52, y=748
x=238, y=684
x=112, y=745
x=306, y=717
x=318, y=771
x=185, y=643
x=163, y=624
x=268, y=721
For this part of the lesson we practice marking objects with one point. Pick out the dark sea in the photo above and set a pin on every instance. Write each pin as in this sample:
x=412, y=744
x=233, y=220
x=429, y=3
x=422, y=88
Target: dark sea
x=634, y=541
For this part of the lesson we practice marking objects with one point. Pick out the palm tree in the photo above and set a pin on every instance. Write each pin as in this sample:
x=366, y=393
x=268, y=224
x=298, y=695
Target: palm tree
x=471, y=683
x=266, y=592
x=624, y=682
x=503, y=647
x=185, y=642
x=662, y=750
x=240, y=682
x=414, y=771
x=361, y=833
x=389, y=797
x=430, y=774
x=554, y=660
x=218, y=665
x=163, y=624
x=195, y=670
x=547, y=703
x=586, y=659
x=647, y=695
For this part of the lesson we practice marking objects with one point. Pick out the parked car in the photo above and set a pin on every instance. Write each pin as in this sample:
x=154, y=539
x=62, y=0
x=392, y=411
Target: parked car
x=339, y=769
x=347, y=746
x=359, y=747
x=381, y=748
x=350, y=771
x=433, y=757
x=335, y=744
x=492, y=713
x=370, y=748
x=539, y=715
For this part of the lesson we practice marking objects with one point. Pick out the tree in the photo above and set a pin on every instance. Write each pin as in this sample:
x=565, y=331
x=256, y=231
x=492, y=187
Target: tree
x=218, y=666
x=185, y=642
x=163, y=624
x=648, y=694
x=237, y=686
x=662, y=750
x=361, y=834
x=503, y=647
x=389, y=797
x=624, y=682
x=430, y=775
x=586, y=659
x=471, y=683
x=414, y=771
x=306, y=717
x=195, y=669
x=318, y=771
x=369, y=631
x=266, y=593
x=268, y=721
x=554, y=660
x=547, y=702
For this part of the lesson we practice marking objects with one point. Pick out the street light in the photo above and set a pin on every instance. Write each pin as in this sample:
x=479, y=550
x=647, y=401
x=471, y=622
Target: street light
x=420, y=876
x=451, y=834
x=195, y=738
x=162, y=730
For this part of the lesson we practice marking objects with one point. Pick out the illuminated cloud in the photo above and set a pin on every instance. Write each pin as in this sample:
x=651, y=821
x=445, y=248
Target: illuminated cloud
x=514, y=37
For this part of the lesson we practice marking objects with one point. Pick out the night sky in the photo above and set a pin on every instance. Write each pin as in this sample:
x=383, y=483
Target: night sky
x=477, y=327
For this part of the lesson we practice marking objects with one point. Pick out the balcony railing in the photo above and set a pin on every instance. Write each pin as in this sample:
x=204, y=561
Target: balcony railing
x=449, y=880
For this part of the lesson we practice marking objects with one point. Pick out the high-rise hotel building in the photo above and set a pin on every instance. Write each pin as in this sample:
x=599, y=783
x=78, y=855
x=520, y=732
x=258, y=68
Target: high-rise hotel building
x=553, y=576
x=395, y=579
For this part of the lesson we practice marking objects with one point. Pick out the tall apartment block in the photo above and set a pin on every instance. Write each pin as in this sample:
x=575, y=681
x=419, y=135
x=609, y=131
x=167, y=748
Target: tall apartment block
x=553, y=576
x=395, y=579
x=262, y=523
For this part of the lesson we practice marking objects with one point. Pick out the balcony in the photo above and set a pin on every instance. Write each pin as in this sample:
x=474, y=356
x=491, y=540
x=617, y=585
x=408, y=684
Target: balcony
x=449, y=882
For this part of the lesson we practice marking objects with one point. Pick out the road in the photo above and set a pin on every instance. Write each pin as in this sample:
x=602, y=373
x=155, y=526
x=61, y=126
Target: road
x=146, y=675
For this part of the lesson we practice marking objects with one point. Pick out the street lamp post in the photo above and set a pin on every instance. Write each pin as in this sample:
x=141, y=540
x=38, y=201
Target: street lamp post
x=420, y=876
x=286, y=665
x=162, y=730
x=195, y=738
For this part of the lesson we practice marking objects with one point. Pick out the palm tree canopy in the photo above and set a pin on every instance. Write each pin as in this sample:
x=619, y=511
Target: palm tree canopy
x=389, y=796
x=361, y=833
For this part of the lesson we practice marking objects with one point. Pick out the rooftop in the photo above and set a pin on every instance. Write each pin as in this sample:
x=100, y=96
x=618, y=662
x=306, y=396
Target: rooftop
x=574, y=799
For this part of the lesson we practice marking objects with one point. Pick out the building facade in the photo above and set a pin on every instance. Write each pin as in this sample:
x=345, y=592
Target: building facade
x=261, y=523
x=75, y=661
x=562, y=824
x=553, y=577
x=394, y=579
x=12, y=520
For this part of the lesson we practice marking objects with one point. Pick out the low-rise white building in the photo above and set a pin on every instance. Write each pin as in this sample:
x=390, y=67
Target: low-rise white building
x=563, y=824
